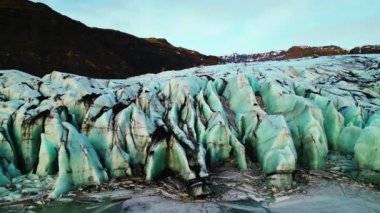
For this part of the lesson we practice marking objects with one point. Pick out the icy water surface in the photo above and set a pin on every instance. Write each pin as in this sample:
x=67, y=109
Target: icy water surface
x=322, y=196
x=330, y=196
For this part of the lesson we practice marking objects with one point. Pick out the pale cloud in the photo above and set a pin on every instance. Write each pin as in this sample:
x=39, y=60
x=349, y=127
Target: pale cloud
x=357, y=32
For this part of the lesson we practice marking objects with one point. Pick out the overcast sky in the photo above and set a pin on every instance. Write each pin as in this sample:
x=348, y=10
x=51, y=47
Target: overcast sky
x=221, y=27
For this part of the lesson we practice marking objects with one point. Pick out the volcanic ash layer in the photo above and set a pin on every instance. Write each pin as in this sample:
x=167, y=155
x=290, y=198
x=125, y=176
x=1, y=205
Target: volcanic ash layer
x=65, y=131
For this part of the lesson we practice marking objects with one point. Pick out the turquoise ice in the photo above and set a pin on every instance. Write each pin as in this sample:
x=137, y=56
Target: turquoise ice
x=285, y=115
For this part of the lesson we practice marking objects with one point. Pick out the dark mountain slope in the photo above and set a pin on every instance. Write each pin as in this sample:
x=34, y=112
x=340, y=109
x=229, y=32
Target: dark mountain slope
x=36, y=39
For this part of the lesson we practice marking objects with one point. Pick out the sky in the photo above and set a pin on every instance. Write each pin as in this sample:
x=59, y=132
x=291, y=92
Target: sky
x=220, y=27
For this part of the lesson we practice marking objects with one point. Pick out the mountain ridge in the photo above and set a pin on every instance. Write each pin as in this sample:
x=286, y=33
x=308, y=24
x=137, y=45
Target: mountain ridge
x=295, y=52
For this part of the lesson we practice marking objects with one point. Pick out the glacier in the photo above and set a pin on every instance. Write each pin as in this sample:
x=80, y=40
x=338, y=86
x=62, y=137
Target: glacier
x=63, y=131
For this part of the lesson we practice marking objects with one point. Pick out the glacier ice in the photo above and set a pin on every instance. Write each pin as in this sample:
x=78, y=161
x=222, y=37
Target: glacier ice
x=275, y=149
x=78, y=131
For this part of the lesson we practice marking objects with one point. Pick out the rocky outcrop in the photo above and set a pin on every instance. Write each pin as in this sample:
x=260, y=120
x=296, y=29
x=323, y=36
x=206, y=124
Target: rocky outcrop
x=37, y=40
x=286, y=115
x=306, y=51
x=366, y=49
